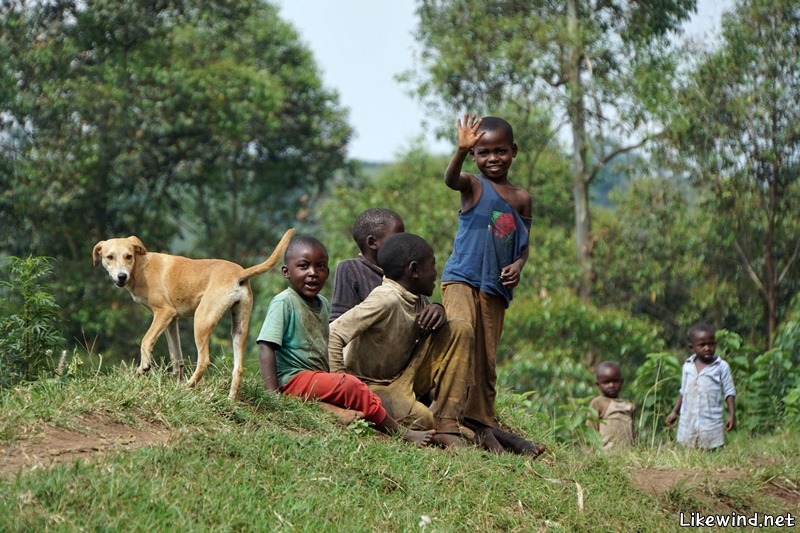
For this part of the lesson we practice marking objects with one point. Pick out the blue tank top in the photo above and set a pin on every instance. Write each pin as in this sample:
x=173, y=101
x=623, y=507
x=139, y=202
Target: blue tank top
x=491, y=234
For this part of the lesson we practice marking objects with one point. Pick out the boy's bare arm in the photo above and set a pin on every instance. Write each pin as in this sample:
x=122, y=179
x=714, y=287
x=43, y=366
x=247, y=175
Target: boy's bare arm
x=673, y=415
x=268, y=366
x=468, y=136
x=731, y=422
x=511, y=274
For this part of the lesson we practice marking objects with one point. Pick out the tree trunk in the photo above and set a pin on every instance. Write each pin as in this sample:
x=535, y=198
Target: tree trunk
x=577, y=117
x=770, y=276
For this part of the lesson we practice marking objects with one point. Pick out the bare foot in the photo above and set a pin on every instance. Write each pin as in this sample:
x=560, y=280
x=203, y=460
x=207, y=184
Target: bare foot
x=421, y=438
x=487, y=439
x=484, y=436
x=448, y=440
x=516, y=444
x=346, y=416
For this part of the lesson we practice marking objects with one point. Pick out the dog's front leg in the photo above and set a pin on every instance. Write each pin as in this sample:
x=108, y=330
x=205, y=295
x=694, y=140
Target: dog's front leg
x=175, y=353
x=161, y=320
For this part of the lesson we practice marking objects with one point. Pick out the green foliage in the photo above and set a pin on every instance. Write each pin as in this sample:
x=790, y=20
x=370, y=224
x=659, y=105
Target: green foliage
x=791, y=403
x=413, y=187
x=736, y=130
x=555, y=376
x=560, y=321
x=201, y=127
x=157, y=117
x=549, y=347
x=560, y=65
x=30, y=327
x=655, y=391
x=771, y=378
x=656, y=224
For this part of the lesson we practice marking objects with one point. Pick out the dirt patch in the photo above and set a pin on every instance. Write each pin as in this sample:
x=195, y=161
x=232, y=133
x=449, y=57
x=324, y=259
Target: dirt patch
x=48, y=445
x=659, y=482
x=783, y=488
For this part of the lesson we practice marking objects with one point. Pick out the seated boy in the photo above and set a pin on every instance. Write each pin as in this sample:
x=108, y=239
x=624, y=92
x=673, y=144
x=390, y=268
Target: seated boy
x=404, y=348
x=293, y=351
x=355, y=278
x=616, y=415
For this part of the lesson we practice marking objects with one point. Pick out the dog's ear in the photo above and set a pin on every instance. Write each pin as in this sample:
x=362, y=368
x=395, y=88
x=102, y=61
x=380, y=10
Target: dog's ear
x=138, y=245
x=98, y=248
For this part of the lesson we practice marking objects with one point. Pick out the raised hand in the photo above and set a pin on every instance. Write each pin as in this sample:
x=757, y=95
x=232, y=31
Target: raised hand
x=468, y=134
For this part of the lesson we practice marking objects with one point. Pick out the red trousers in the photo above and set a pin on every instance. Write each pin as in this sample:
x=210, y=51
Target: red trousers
x=341, y=390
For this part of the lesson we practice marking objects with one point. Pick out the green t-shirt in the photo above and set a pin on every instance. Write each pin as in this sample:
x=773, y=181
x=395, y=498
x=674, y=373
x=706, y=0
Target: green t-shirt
x=300, y=331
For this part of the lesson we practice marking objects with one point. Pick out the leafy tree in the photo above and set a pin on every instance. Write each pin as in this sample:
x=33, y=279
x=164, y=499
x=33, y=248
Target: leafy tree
x=739, y=129
x=604, y=67
x=657, y=256
x=152, y=116
x=203, y=124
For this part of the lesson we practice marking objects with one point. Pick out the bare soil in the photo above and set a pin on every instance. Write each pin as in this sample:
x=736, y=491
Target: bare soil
x=48, y=445
x=705, y=485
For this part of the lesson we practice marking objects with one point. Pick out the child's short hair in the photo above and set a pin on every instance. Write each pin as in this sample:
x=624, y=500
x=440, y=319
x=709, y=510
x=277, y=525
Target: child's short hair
x=611, y=365
x=497, y=124
x=302, y=240
x=399, y=250
x=374, y=221
x=700, y=327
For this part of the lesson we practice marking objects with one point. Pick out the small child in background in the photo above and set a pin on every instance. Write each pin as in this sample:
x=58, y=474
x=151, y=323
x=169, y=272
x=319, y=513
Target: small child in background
x=616, y=415
x=705, y=381
x=355, y=278
x=293, y=346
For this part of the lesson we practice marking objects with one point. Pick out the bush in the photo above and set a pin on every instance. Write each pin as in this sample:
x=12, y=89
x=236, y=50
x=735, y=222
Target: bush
x=655, y=391
x=30, y=328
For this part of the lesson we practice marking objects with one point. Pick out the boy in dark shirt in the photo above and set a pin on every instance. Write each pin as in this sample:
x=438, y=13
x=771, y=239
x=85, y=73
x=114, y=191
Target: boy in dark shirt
x=355, y=278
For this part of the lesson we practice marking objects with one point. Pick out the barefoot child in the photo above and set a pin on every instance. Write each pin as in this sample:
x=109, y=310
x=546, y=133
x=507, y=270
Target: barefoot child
x=489, y=251
x=616, y=415
x=705, y=381
x=293, y=348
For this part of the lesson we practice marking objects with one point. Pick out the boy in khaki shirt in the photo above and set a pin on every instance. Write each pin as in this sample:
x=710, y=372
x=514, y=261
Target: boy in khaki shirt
x=403, y=348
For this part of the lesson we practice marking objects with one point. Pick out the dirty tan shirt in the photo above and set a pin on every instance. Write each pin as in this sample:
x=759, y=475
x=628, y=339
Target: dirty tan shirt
x=375, y=339
x=616, y=421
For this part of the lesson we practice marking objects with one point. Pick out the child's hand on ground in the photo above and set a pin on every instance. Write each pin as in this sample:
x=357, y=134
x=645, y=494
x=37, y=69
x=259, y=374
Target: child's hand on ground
x=468, y=134
x=431, y=318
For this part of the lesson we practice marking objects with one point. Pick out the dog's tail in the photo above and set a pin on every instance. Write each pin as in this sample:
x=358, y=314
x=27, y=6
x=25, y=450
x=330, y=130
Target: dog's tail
x=272, y=260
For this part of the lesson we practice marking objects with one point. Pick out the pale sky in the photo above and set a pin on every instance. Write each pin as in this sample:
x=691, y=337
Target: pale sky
x=361, y=46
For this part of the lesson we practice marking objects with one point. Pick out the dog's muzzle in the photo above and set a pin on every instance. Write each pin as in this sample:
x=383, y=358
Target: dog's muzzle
x=122, y=279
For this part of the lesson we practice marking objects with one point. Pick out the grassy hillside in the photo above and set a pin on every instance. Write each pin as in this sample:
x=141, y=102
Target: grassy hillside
x=119, y=453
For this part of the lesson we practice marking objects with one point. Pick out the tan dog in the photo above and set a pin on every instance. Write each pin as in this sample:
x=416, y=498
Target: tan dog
x=172, y=286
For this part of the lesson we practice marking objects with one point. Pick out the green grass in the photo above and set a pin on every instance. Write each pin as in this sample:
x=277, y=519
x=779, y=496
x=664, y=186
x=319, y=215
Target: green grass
x=273, y=463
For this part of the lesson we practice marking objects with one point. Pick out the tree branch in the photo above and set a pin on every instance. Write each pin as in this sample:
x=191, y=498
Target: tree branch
x=749, y=268
x=603, y=161
x=790, y=262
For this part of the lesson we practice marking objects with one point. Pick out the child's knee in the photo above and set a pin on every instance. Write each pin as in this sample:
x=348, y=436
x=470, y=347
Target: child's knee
x=460, y=329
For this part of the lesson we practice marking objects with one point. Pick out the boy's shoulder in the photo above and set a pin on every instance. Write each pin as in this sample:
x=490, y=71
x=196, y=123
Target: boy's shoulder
x=358, y=263
x=285, y=294
x=291, y=298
